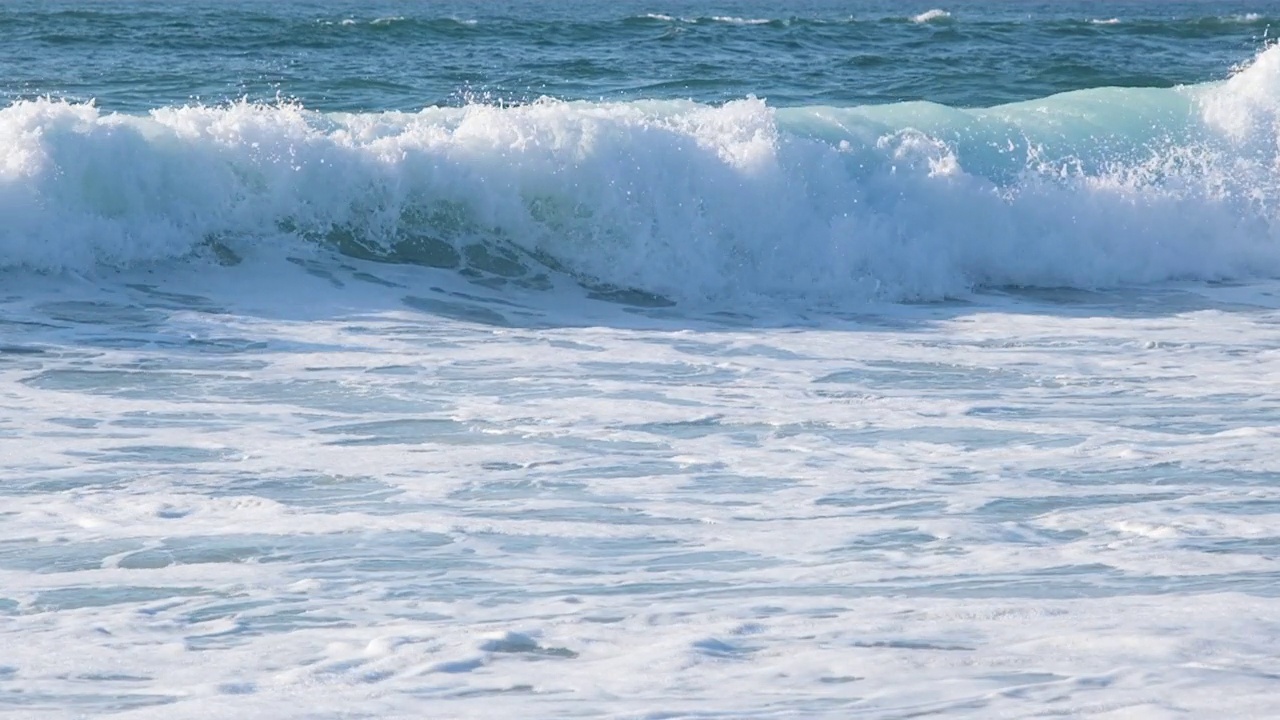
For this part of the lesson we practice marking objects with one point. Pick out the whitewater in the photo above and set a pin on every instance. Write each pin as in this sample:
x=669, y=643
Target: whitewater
x=336, y=386
x=682, y=200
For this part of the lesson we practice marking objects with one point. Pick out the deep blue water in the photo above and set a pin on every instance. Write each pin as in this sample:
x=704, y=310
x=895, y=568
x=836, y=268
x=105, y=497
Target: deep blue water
x=137, y=55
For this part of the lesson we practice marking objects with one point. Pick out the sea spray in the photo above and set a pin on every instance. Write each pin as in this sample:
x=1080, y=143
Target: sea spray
x=689, y=201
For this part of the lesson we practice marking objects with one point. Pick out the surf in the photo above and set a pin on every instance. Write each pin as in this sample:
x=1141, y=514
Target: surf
x=676, y=199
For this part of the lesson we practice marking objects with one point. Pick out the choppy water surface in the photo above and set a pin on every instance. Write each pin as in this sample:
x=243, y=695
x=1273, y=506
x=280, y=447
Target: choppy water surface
x=836, y=361
x=379, y=55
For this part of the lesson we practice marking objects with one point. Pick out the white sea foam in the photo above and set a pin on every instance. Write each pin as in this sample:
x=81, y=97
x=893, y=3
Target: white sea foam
x=724, y=19
x=741, y=21
x=278, y=491
x=662, y=17
x=311, y=485
x=689, y=201
x=934, y=15
x=378, y=21
x=1107, y=21
x=304, y=485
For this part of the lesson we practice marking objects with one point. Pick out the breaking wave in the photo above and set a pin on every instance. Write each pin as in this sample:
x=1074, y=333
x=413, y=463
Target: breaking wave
x=688, y=201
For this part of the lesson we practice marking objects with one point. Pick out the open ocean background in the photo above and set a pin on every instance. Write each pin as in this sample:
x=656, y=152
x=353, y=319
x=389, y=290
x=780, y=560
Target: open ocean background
x=639, y=359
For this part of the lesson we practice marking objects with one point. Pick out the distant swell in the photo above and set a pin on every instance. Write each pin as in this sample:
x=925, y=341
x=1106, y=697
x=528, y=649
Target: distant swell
x=687, y=201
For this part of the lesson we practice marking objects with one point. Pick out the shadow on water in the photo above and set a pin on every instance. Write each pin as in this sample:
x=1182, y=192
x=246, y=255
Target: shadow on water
x=493, y=285
x=505, y=274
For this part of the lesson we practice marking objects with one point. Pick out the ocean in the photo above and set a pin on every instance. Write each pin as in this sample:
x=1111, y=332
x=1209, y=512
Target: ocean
x=643, y=359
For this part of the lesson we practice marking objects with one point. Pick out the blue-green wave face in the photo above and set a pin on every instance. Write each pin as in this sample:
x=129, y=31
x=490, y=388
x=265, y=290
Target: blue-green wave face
x=823, y=190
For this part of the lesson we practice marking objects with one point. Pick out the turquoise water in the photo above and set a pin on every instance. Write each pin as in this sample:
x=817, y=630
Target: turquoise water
x=639, y=360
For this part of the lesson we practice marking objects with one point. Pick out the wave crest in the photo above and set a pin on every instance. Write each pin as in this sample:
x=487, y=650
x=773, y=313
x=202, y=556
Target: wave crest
x=677, y=199
x=935, y=15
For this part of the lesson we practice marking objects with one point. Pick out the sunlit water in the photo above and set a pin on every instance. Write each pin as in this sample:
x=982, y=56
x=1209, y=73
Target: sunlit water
x=646, y=406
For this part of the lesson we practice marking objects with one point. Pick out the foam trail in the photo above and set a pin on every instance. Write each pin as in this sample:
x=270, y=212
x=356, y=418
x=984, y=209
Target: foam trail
x=694, y=202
